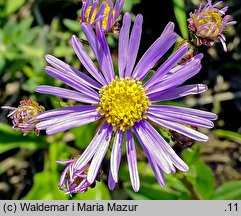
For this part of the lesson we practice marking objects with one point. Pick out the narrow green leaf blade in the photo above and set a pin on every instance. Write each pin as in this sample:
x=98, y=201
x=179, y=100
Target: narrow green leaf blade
x=99, y=192
x=181, y=17
x=11, y=139
x=228, y=135
x=11, y=6
x=204, y=183
x=228, y=191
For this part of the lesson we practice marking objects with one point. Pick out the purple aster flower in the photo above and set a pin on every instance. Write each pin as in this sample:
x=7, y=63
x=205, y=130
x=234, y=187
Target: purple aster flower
x=72, y=180
x=24, y=116
x=127, y=103
x=208, y=24
x=104, y=12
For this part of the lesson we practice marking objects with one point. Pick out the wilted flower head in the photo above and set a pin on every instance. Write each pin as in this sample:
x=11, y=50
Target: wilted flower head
x=24, y=116
x=127, y=103
x=75, y=180
x=208, y=24
x=101, y=11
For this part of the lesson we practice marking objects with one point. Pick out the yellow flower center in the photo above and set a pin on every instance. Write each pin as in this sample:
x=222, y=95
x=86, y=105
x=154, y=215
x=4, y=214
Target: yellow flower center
x=91, y=19
x=210, y=17
x=123, y=102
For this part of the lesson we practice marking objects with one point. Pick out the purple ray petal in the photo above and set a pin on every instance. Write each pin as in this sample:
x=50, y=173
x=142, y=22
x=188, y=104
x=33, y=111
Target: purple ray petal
x=84, y=7
x=177, y=78
x=71, y=81
x=67, y=117
x=115, y=157
x=154, y=53
x=110, y=21
x=67, y=162
x=177, y=92
x=123, y=44
x=63, y=123
x=132, y=161
x=134, y=44
x=75, y=122
x=99, y=155
x=176, y=160
x=215, y=5
x=166, y=67
x=223, y=10
x=66, y=93
x=181, y=118
x=194, y=60
x=111, y=182
x=152, y=147
x=101, y=50
x=65, y=110
x=223, y=44
x=156, y=169
x=98, y=20
x=179, y=128
x=62, y=178
x=184, y=110
x=62, y=66
x=86, y=61
x=95, y=143
x=110, y=2
x=169, y=27
x=106, y=63
x=93, y=8
x=232, y=23
x=100, y=12
x=71, y=172
x=118, y=8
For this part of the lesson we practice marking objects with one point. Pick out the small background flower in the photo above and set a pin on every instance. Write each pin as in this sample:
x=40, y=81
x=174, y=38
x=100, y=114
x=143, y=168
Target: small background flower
x=104, y=11
x=208, y=24
x=28, y=164
x=24, y=116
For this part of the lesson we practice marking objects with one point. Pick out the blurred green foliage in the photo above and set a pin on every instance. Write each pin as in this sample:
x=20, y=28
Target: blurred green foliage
x=181, y=16
x=23, y=44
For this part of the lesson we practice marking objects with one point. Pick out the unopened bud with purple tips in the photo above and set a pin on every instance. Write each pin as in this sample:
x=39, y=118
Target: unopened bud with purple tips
x=24, y=116
x=208, y=24
x=74, y=180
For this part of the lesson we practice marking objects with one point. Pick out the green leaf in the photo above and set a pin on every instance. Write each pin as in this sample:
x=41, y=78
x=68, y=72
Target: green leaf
x=181, y=17
x=2, y=63
x=173, y=182
x=228, y=134
x=25, y=24
x=128, y=5
x=11, y=6
x=83, y=135
x=99, y=192
x=45, y=187
x=204, y=183
x=150, y=189
x=152, y=192
x=73, y=26
x=191, y=155
x=228, y=191
x=199, y=175
x=11, y=139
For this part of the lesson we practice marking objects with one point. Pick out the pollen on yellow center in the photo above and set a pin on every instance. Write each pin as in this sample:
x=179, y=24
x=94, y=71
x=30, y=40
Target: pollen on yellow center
x=210, y=17
x=91, y=19
x=123, y=102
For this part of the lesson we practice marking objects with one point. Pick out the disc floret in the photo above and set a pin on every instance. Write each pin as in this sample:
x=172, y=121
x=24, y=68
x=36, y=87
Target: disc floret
x=123, y=102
